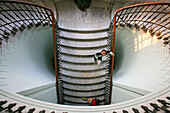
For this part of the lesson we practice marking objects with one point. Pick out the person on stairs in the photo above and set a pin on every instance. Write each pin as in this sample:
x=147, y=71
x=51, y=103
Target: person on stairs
x=92, y=101
x=98, y=56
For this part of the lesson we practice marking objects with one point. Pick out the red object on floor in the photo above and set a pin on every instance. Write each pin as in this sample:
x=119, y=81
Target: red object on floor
x=94, y=102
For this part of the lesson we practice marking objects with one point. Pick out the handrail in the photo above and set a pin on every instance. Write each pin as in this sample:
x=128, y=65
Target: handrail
x=115, y=108
x=123, y=15
x=25, y=14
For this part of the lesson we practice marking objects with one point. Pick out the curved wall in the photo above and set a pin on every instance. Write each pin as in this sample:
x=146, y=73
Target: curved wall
x=9, y=60
x=27, y=62
x=141, y=61
x=96, y=17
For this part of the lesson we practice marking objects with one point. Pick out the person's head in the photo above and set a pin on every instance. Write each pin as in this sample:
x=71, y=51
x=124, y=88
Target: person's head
x=103, y=52
x=97, y=101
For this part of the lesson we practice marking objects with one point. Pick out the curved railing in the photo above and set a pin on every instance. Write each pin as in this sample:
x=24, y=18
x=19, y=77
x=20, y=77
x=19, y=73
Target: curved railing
x=153, y=17
x=16, y=16
x=152, y=103
x=22, y=15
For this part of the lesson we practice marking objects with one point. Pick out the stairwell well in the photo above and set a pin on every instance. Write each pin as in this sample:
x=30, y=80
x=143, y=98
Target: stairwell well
x=81, y=35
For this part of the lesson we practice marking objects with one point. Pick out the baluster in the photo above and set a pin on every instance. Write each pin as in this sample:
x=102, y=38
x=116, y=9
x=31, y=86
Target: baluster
x=22, y=27
x=18, y=5
x=31, y=15
x=160, y=37
x=137, y=27
x=2, y=103
x=41, y=20
x=158, y=33
x=30, y=23
x=135, y=20
x=146, y=109
x=168, y=97
x=163, y=102
x=6, y=38
x=4, y=25
x=1, y=53
x=38, y=22
x=157, y=16
x=14, y=30
x=135, y=110
x=31, y=110
x=146, y=15
x=44, y=15
x=152, y=15
x=138, y=16
x=20, y=109
x=43, y=111
x=10, y=20
x=6, y=33
x=9, y=15
x=9, y=107
x=151, y=31
x=124, y=111
x=156, y=107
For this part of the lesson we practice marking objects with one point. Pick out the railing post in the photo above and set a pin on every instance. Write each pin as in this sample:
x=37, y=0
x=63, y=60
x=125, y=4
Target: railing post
x=113, y=50
x=55, y=60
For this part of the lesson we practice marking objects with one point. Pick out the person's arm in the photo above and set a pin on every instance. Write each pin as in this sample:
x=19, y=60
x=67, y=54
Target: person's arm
x=110, y=52
x=96, y=57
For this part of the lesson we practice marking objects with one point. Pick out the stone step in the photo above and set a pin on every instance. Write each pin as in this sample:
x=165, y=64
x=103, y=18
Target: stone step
x=83, y=44
x=83, y=39
x=79, y=100
x=78, y=104
x=76, y=47
x=72, y=82
x=83, y=67
x=83, y=74
x=82, y=70
x=84, y=87
x=66, y=102
x=83, y=81
x=79, y=59
x=84, y=94
x=82, y=52
x=83, y=36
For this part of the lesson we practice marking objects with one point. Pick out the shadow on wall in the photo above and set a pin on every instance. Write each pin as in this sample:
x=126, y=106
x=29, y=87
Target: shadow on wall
x=49, y=56
x=41, y=51
x=124, y=49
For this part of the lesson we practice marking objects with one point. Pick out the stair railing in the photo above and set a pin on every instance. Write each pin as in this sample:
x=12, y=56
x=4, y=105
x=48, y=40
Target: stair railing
x=16, y=16
x=108, y=65
x=59, y=80
x=152, y=17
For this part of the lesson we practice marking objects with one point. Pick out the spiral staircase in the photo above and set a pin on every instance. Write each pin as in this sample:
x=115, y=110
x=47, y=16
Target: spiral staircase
x=74, y=43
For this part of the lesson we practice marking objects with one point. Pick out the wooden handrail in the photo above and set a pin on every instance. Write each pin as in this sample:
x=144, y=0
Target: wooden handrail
x=141, y=4
x=26, y=2
x=55, y=60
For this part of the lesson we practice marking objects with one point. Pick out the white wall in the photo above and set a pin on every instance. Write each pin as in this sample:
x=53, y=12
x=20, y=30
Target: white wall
x=28, y=62
x=122, y=93
x=71, y=17
x=141, y=61
x=45, y=93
